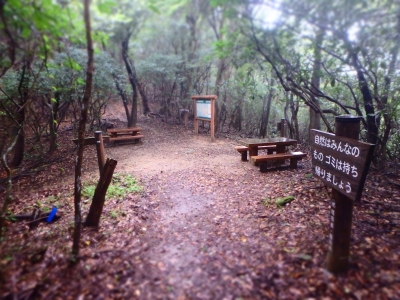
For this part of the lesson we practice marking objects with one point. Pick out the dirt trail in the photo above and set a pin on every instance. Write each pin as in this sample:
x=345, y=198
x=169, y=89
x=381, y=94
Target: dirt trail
x=183, y=178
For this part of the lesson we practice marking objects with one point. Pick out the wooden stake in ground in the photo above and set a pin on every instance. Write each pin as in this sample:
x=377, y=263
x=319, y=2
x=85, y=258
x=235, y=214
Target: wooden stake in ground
x=342, y=208
x=100, y=150
x=96, y=208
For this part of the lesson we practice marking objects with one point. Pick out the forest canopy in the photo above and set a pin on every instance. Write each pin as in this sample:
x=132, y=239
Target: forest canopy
x=306, y=61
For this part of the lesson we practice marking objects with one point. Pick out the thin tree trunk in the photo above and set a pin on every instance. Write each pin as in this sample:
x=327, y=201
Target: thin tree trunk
x=383, y=106
x=372, y=128
x=266, y=110
x=145, y=100
x=23, y=90
x=315, y=119
x=294, y=107
x=54, y=106
x=19, y=146
x=132, y=119
x=122, y=94
x=8, y=198
x=81, y=135
x=237, y=118
x=218, y=81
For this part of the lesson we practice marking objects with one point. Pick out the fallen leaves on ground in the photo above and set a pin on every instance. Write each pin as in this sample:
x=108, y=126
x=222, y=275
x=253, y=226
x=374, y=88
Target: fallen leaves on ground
x=210, y=230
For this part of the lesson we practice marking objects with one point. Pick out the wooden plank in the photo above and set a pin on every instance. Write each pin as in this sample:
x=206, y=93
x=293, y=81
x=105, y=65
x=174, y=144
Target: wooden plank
x=244, y=148
x=278, y=156
x=241, y=148
x=125, y=134
x=126, y=138
x=91, y=140
x=120, y=130
x=205, y=97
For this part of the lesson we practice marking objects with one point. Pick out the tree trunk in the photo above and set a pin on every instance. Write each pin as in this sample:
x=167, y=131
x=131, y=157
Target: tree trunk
x=383, y=106
x=292, y=122
x=19, y=146
x=315, y=119
x=130, y=68
x=23, y=89
x=294, y=107
x=218, y=81
x=145, y=100
x=372, y=128
x=54, y=106
x=99, y=197
x=81, y=134
x=267, y=100
x=237, y=117
x=122, y=94
x=8, y=198
x=287, y=119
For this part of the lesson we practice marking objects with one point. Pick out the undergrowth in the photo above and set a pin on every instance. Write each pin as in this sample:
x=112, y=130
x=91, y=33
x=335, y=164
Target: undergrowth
x=121, y=185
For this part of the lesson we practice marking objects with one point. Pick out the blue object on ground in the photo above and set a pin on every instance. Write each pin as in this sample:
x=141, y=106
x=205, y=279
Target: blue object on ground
x=52, y=214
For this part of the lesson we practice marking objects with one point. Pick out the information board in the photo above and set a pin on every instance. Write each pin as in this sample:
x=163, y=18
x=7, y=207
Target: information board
x=203, y=109
x=341, y=163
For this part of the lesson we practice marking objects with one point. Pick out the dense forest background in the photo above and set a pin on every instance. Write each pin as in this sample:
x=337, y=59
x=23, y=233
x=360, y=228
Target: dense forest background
x=306, y=61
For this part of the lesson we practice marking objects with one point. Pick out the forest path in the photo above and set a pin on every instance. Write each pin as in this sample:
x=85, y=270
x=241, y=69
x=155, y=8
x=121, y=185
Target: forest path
x=189, y=179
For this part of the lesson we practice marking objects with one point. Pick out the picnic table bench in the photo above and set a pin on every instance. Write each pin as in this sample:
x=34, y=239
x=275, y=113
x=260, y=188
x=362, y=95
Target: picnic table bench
x=262, y=160
x=125, y=134
x=243, y=150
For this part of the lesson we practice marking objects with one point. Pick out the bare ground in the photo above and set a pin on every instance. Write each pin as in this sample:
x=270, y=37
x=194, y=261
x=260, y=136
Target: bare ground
x=205, y=227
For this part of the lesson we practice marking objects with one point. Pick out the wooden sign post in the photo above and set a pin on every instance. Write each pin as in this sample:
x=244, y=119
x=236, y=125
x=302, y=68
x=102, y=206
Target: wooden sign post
x=204, y=110
x=342, y=162
x=97, y=140
x=281, y=127
x=101, y=158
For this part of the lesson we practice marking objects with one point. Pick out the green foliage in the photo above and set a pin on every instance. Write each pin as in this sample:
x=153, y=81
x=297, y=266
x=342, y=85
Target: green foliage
x=283, y=200
x=121, y=186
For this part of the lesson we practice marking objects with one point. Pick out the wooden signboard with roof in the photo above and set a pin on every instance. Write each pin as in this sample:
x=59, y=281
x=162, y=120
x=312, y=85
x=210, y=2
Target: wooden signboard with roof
x=204, y=110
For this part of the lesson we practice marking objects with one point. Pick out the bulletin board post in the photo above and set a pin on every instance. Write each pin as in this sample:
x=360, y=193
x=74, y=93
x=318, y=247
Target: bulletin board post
x=204, y=110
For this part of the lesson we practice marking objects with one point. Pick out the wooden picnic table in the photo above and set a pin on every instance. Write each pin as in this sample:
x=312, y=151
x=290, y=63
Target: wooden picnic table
x=279, y=142
x=123, y=134
x=281, y=154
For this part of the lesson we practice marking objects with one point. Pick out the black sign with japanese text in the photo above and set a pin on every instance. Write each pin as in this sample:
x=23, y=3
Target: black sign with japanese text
x=341, y=163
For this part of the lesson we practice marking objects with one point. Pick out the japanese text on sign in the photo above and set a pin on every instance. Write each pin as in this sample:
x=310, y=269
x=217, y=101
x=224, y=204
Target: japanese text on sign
x=331, y=144
x=340, y=162
x=329, y=177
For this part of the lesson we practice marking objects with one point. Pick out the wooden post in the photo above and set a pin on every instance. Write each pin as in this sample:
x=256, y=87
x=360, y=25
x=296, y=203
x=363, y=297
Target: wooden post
x=282, y=127
x=96, y=208
x=186, y=118
x=196, y=121
x=212, y=123
x=100, y=150
x=341, y=207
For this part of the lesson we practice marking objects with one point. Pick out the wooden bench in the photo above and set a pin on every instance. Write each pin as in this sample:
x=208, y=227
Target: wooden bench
x=125, y=134
x=243, y=150
x=262, y=160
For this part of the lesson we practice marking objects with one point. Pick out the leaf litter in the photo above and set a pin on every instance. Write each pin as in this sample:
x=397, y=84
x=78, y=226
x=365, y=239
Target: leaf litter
x=205, y=226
